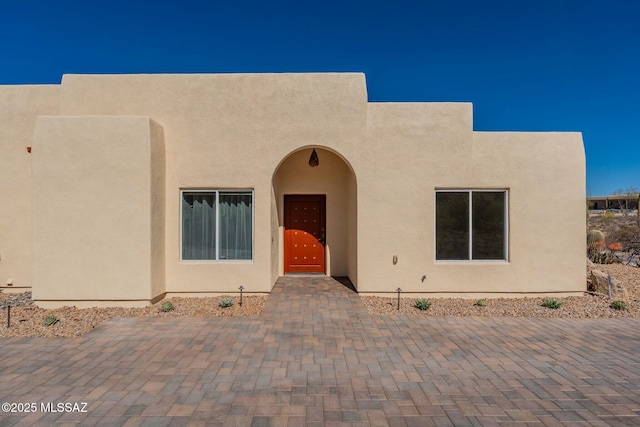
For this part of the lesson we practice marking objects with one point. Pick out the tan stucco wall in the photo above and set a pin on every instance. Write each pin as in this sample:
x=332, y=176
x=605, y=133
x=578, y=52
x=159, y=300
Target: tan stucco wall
x=352, y=229
x=157, y=164
x=276, y=238
x=93, y=222
x=228, y=132
x=442, y=153
x=380, y=164
x=19, y=108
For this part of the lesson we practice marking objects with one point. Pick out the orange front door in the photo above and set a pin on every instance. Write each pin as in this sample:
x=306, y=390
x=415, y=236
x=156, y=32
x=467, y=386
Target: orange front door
x=304, y=233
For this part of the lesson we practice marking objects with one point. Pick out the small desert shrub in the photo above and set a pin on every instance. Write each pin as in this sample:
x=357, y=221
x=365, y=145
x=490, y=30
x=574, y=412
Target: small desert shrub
x=423, y=304
x=481, y=303
x=50, y=320
x=226, y=302
x=619, y=305
x=608, y=215
x=551, y=303
x=166, y=306
x=615, y=247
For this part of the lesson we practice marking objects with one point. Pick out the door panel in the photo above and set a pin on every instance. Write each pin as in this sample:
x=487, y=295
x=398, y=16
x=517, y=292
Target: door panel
x=304, y=233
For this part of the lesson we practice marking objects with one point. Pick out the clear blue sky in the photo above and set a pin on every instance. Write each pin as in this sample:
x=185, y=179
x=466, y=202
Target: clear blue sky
x=530, y=65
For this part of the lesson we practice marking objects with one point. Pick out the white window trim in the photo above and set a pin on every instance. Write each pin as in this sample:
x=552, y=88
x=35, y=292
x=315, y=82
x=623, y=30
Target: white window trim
x=217, y=192
x=470, y=191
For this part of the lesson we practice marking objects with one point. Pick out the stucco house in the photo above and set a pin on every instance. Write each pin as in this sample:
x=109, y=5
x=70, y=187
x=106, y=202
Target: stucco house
x=121, y=189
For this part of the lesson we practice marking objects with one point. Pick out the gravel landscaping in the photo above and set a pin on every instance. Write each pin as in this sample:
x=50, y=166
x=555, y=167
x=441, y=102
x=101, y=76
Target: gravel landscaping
x=27, y=320
x=587, y=306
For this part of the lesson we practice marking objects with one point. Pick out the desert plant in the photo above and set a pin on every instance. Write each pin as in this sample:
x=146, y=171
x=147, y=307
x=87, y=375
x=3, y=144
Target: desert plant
x=226, y=302
x=613, y=248
x=423, y=304
x=618, y=305
x=594, y=236
x=166, y=306
x=551, y=303
x=608, y=215
x=481, y=303
x=50, y=320
x=595, y=242
x=628, y=248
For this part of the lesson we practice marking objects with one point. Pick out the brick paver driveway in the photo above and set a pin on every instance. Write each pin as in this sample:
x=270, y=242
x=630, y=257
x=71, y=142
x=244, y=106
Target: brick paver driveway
x=316, y=358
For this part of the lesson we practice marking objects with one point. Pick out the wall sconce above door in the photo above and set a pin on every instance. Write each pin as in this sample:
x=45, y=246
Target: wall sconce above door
x=313, y=160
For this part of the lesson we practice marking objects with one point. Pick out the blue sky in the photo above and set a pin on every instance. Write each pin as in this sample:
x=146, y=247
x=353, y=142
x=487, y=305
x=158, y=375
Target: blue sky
x=529, y=65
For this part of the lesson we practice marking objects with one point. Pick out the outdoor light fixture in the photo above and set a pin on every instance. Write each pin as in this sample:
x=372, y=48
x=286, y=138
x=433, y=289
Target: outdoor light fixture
x=313, y=160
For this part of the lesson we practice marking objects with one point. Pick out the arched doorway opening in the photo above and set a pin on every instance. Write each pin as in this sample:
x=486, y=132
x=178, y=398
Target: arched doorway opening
x=314, y=215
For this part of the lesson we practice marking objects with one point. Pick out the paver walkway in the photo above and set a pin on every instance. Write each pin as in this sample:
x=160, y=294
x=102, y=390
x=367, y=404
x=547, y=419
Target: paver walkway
x=316, y=358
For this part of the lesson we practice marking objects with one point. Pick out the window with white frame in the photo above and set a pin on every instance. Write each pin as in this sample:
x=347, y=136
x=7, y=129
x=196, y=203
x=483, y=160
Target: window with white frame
x=217, y=225
x=471, y=225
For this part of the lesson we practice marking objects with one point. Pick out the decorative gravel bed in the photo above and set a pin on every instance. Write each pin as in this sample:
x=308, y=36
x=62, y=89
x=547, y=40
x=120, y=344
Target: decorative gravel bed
x=27, y=320
x=587, y=306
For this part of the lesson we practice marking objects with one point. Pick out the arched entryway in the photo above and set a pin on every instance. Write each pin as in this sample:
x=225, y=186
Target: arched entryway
x=314, y=215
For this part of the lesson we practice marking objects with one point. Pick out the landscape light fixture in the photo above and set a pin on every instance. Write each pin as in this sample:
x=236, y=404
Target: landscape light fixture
x=313, y=160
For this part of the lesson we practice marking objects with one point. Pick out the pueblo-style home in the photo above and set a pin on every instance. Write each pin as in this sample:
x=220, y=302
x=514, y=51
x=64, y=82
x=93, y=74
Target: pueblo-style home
x=121, y=189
